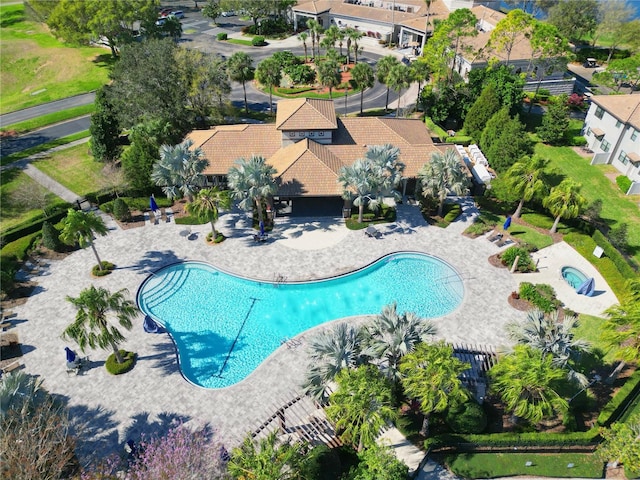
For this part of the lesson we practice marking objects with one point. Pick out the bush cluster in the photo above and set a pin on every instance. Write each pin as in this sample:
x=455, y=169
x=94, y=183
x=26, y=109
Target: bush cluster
x=624, y=183
x=257, y=41
x=107, y=268
x=525, y=262
x=51, y=237
x=221, y=36
x=541, y=295
x=616, y=257
x=33, y=226
x=468, y=417
x=121, y=210
x=115, y=368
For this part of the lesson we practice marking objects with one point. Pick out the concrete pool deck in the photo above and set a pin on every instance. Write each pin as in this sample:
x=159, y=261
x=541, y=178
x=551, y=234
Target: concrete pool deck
x=154, y=394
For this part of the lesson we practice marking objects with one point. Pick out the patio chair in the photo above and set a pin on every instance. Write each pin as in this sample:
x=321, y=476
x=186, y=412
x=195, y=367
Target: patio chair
x=372, y=232
x=497, y=236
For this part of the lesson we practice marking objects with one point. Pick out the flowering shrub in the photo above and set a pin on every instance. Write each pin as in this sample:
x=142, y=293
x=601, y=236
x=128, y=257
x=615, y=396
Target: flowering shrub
x=575, y=101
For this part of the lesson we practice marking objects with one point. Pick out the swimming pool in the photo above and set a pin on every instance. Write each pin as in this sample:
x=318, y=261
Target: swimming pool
x=573, y=276
x=224, y=325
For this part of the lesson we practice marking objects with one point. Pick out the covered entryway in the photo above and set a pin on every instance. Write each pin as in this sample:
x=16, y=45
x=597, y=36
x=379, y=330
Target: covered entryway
x=309, y=206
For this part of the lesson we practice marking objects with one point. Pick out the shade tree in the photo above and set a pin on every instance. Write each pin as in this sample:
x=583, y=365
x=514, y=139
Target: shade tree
x=105, y=129
x=179, y=170
x=486, y=105
x=575, y=19
x=526, y=179
x=564, y=201
x=509, y=31
x=621, y=444
x=555, y=122
x=614, y=18
x=505, y=141
x=269, y=74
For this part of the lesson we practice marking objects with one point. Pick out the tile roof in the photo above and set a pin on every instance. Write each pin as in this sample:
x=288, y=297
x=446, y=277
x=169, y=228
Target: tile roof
x=308, y=167
x=364, y=12
x=625, y=108
x=306, y=114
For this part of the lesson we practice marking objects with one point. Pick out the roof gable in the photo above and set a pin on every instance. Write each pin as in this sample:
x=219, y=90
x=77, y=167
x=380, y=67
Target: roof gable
x=625, y=108
x=306, y=114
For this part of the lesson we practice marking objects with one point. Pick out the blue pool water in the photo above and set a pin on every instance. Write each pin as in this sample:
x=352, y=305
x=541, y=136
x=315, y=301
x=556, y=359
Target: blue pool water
x=224, y=326
x=573, y=276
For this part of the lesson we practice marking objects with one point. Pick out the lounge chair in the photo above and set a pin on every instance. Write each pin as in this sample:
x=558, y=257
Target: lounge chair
x=503, y=241
x=11, y=367
x=372, y=232
x=497, y=236
x=260, y=238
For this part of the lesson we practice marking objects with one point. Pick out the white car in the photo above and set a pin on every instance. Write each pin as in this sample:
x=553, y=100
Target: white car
x=229, y=13
x=178, y=14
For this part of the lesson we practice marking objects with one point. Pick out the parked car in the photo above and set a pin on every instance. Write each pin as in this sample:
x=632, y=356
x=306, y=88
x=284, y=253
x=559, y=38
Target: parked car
x=590, y=63
x=161, y=21
x=177, y=14
x=228, y=13
x=164, y=12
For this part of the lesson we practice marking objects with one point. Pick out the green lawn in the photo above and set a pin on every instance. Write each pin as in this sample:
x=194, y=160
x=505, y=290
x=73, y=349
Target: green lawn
x=490, y=465
x=12, y=211
x=589, y=328
x=37, y=68
x=45, y=146
x=74, y=168
x=616, y=208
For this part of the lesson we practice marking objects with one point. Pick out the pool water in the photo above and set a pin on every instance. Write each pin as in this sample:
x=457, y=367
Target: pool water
x=224, y=326
x=573, y=276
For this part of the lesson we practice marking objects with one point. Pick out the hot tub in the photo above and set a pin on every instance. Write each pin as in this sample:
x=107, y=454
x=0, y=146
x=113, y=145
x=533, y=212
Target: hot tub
x=573, y=276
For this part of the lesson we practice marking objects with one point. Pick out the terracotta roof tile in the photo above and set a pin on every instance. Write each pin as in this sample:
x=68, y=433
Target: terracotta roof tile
x=625, y=108
x=365, y=12
x=306, y=114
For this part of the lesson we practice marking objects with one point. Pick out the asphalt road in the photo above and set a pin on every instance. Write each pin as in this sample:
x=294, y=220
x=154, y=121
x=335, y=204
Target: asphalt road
x=44, y=135
x=45, y=108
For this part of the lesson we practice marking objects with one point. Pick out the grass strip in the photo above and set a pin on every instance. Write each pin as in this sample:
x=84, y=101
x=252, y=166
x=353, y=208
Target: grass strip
x=43, y=148
x=49, y=119
x=490, y=465
x=238, y=41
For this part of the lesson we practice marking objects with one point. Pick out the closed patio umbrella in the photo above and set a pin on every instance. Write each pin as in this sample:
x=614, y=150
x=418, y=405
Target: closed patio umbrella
x=152, y=203
x=71, y=355
x=261, y=228
x=507, y=223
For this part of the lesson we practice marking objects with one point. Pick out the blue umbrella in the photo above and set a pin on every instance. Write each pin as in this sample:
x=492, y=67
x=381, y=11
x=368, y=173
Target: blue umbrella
x=71, y=355
x=507, y=223
x=261, y=228
x=153, y=204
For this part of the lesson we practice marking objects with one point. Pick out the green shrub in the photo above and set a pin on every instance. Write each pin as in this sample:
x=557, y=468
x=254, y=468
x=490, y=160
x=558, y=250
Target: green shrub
x=618, y=403
x=115, y=368
x=525, y=262
x=219, y=237
x=50, y=237
x=12, y=254
x=321, y=463
x=619, y=237
x=221, y=36
x=257, y=41
x=107, y=268
x=542, y=296
x=624, y=183
x=455, y=210
x=33, y=226
x=610, y=251
x=468, y=417
x=121, y=210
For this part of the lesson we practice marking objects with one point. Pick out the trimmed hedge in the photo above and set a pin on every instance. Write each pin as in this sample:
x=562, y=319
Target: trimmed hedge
x=624, y=183
x=258, y=41
x=10, y=257
x=33, y=226
x=115, y=368
x=221, y=36
x=616, y=257
x=618, y=403
x=509, y=440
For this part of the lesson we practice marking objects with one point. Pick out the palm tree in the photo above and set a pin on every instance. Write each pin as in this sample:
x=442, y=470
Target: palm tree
x=387, y=168
x=420, y=72
x=21, y=393
x=179, y=170
x=384, y=67
x=526, y=180
x=361, y=406
x=359, y=181
x=391, y=336
x=353, y=36
x=431, y=374
x=302, y=36
x=552, y=337
x=269, y=74
x=621, y=330
x=206, y=205
x=92, y=328
x=564, y=201
x=240, y=68
x=329, y=74
x=252, y=182
x=397, y=79
x=267, y=459
x=315, y=30
x=80, y=227
x=332, y=34
x=363, y=77
x=444, y=174
x=329, y=353
x=526, y=380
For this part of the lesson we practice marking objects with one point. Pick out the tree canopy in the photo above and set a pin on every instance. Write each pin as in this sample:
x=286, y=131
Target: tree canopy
x=575, y=19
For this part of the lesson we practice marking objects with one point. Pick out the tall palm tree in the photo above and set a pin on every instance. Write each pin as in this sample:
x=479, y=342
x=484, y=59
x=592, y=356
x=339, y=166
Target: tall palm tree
x=355, y=36
x=420, y=72
x=252, y=182
x=179, y=170
x=92, y=327
x=329, y=353
x=398, y=78
x=207, y=204
x=564, y=201
x=329, y=74
x=269, y=74
x=361, y=406
x=621, y=330
x=265, y=459
x=526, y=179
x=315, y=30
x=303, y=36
x=80, y=227
x=444, y=174
x=391, y=336
x=240, y=69
x=431, y=374
x=332, y=34
x=359, y=180
x=552, y=337
x=527, y=382
x=383, y=69
x=363, y=76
